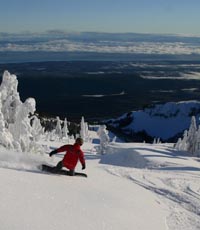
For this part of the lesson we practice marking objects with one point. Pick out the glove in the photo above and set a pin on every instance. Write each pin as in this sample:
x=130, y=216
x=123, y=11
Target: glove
x=83, y=166
x=52, y=153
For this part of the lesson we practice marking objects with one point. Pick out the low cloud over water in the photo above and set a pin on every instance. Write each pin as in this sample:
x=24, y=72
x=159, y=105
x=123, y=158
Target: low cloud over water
x=101, y=43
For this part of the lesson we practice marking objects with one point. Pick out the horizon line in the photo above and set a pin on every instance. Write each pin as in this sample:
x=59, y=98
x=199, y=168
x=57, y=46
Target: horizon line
x=58, y=31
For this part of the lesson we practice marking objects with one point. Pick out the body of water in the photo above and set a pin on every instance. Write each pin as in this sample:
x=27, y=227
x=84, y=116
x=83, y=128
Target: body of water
x=104, y=89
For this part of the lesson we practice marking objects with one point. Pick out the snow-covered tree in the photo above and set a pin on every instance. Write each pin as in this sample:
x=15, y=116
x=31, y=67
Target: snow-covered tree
x=114, y=139
x=178, y=144
x=15, y=123
x=104, y=138
x=37, y=129
x=197, y=144
x=58, y=129
x=182, y=143
x=156, y=140
x=65, y=130
x=191, y=139
x=10, y=99
x=6, y=138
x=21, y=129
x=84, y=130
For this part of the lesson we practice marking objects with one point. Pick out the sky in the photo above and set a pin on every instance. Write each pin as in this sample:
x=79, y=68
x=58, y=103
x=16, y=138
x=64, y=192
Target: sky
x=140, y=16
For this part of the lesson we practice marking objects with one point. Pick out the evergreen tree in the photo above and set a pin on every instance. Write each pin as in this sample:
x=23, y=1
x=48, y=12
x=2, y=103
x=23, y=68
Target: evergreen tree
x=192, y=138
x=104, y=138
x=58, y=129
x=15, y=123
x=21, y=128
x=197, y=146
x=37, y=129
x=65, y=129
x=9, y=97
x=6, y=138
x=84, y=130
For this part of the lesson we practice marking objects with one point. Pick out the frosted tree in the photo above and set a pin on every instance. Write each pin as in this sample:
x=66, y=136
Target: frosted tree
x=65, y=130
x=114, y=139
x=84, y=130
x=104, y=138
x=58, y=129
x=197, y=146
x=15, y=124
x=37, y=129
x=9, y=97
x=192, y=139
x=182, y=144
x=156, y=141
x=21, y=129
x=178, y=144
x=6, y=138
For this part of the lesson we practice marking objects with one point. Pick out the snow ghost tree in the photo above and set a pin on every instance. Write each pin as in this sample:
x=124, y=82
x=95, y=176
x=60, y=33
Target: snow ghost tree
x=65, y=130
x=192, y=136
x=114, y=139
x=84, y=130
x=156, y=141
x=197, y=143
x=191, y=139
x=15, y=123
x=58, y=129
x=10, y=99
x=37, y=129
x=6, y=138
x=182, y=143
x=21, y=128
x=104, y=138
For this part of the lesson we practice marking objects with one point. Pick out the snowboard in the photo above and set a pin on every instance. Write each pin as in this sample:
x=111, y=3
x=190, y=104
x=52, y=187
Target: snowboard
x=48, y=168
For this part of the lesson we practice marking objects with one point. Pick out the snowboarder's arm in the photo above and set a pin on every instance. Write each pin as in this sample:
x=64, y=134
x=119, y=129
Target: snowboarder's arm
x=82, y=159
x=52, y=153
x=61, y=149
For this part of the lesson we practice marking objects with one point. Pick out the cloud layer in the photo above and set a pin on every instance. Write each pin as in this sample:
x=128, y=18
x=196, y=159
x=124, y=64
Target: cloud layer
x=101, y=43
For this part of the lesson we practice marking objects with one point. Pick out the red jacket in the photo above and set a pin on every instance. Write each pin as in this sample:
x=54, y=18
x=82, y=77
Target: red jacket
x=73, y=154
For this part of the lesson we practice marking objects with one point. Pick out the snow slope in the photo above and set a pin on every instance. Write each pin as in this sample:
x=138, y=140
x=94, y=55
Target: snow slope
x=133, y=186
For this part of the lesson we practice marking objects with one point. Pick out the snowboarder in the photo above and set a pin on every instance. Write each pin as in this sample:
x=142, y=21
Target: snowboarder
x=70, y=160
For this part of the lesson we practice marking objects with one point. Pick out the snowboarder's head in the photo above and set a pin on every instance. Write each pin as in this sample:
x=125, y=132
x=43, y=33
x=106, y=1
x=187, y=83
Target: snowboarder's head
x=79, y=141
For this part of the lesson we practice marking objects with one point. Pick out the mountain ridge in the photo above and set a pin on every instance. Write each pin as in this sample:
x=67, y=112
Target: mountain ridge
x=164, y=121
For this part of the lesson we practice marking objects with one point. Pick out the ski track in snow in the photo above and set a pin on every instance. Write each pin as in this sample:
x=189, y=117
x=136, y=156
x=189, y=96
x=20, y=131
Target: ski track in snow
x=179, y=189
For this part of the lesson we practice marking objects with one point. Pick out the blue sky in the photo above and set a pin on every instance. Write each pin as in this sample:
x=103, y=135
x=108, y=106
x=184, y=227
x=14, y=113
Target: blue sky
x=141, y=16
